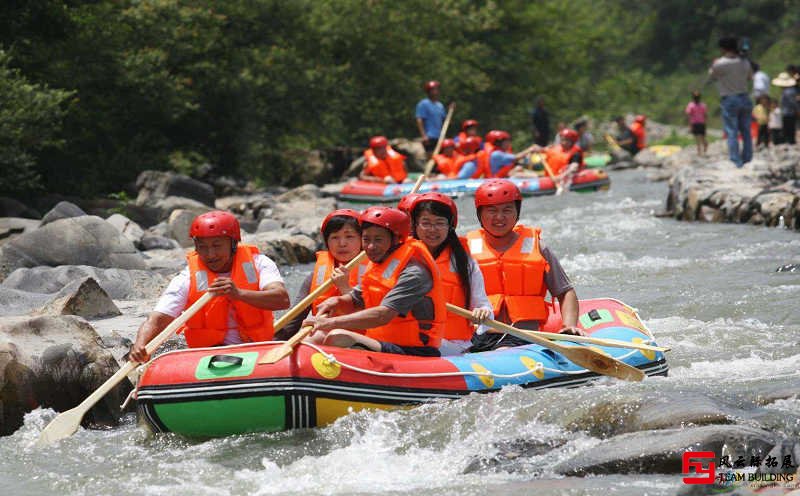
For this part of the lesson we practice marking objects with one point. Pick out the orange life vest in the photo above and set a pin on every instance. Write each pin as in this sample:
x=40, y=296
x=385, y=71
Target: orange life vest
x=482, y=161
x=446, y=165
x=209, y=326
x=393, y=165
x=382, y=277
x=514, y=279
x=459, y=163
x=456, y=328
x=637, y=128
x=558, y=158
x=322, y=272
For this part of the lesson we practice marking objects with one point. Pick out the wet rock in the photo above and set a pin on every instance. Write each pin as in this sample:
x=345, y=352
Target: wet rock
x=510, y=456
x=126, y=227
x=10, y=207
x=788, y=268
x=54, y=362
x=84, y=298
x=120, y=284
x=155, y=242
x=11, y=226
x=179, y=223
x=158, y=185
x=648, y=158
x=62, y=210
x=285, y=248
x=660, y=451
x=86, y=240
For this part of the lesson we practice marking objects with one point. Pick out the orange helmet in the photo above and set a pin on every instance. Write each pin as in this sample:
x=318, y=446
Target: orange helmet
x=216, y=223
x=468, y=123
x=471, y=144
x=378, y=142
x=392, y=219
x=495, y=192
x=438, y=198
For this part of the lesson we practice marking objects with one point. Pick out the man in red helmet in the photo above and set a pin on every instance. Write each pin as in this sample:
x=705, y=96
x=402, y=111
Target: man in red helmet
x=247, y=286
x=430, y=116
x=382, y=163
x=398, y=307
x=565, y=158
x=518, y=270
x=446, y=160
x=469, y=128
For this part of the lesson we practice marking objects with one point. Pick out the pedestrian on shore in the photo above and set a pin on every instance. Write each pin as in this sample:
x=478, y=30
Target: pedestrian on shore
x=761, y=116
x=760, y=82
x=430, y=116
x=789, y=105
x=732, y=73
x=626, y=138
x=540, y=120
x=775, y=123
x=696, y=112
x=585, y=138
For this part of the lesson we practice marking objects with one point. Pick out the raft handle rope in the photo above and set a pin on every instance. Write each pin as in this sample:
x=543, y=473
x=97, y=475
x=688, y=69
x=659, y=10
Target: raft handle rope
x=538, y=368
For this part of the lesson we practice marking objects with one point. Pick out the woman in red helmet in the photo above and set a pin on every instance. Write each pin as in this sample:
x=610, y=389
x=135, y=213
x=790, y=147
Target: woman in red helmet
x=247, y=284
x=469, y=128
x=341, y=233
x=398, y=307
x=434, y=220
x=566, y=157
x=518, y=270
x=382, y=163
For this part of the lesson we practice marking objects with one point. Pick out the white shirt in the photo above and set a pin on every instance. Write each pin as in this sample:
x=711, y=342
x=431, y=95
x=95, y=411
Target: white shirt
x=760, y=83
x=176, y=297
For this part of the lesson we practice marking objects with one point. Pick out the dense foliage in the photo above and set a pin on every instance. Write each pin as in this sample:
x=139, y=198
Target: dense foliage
x=96, y=91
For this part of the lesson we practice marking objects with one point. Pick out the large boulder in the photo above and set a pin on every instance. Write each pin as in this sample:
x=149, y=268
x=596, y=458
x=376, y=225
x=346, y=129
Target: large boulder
x=179, y=223
x=157, y=185
x=54, y=362
x=126, y=227
x=62, y=210
x=11, y=226
x=10, y=207
x=84, y=298
x=285, y=248
x=86, y=240
x=120, y=284
x=171, y=203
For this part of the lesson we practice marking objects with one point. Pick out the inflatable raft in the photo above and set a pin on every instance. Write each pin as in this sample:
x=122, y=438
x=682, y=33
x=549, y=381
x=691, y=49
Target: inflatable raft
x=364, y=191
x=211, y=392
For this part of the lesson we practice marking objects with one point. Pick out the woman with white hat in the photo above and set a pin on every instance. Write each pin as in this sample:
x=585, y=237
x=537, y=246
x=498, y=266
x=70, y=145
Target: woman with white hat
x=789, y=106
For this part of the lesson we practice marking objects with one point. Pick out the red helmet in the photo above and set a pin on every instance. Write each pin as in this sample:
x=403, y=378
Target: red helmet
x=468, y=123
x=342, y=212
x=404, y=205
x=392, y=219
x=640, y=118
x=216, y=223
x=448, y=143
x=378, y=142
x=569, y=134
x=471, y=144
x=438, y=198
x=491, y=136
x=431, y=85
x=496, y=191
x=502, y=135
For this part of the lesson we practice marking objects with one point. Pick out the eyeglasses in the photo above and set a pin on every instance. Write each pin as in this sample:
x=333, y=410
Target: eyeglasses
x=439, y=226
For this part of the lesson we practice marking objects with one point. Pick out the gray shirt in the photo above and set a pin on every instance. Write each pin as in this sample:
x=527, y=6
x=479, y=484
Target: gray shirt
x=731, y=74
x=408, y=294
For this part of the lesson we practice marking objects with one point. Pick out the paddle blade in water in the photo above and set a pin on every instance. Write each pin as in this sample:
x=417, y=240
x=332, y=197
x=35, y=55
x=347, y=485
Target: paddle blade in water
x=602, y=364
x=64, y=425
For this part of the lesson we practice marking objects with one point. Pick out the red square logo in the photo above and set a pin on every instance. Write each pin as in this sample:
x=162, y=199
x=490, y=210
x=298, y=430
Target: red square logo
x=694, y=460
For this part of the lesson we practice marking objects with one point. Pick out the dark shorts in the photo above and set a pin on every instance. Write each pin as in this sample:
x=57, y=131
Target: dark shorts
x=699, y=129
x=430, y=145
x=491, y=341
x=409, y=350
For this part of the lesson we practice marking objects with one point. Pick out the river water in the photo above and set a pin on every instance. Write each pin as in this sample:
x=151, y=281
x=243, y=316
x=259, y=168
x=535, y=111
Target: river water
x=709, y=291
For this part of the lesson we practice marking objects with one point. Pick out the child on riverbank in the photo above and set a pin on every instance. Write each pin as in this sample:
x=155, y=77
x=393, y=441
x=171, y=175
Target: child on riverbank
x=761, y=117
x=696, y=112
x=775, y=123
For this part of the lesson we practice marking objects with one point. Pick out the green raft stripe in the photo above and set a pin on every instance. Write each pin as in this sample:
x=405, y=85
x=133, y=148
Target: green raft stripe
x=225, y=416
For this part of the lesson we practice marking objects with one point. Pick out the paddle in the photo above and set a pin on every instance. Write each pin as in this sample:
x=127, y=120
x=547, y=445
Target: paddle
x=286, y=349
x=611, y=343
x=279, y=353
x=66, y=423
x=582, y=356
x=613, y=143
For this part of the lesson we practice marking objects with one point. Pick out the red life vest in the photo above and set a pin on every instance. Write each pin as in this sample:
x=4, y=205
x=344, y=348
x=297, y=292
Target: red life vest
x=209, y=326
x=558, y=158
x=382, y=277
x=482, y=161
x=637, y=128
x=456, y=327
x=393, y=165
x=446, y=165
x=322, y=272
x=514, y=279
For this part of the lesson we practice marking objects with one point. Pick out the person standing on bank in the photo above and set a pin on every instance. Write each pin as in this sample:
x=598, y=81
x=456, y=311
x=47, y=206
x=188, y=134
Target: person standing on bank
x=540, y=122
x=789, y=106
x=247, y=286
x=430, y=116
x=696, y=112
x=732, y=74
x=518, y=270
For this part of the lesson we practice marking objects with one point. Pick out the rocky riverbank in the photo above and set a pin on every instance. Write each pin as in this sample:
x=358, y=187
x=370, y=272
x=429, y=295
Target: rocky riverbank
x=76, y=282
x=765, y=191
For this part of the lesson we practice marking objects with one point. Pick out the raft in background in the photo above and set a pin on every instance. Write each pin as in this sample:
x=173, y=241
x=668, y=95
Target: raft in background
x=365, y=191
x=221, y=391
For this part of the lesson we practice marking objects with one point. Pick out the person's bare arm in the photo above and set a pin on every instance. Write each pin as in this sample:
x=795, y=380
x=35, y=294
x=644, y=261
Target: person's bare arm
x=568, y=301
x=150, y=328
x=273, y=297
x=421, y=128
x=357, y=321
